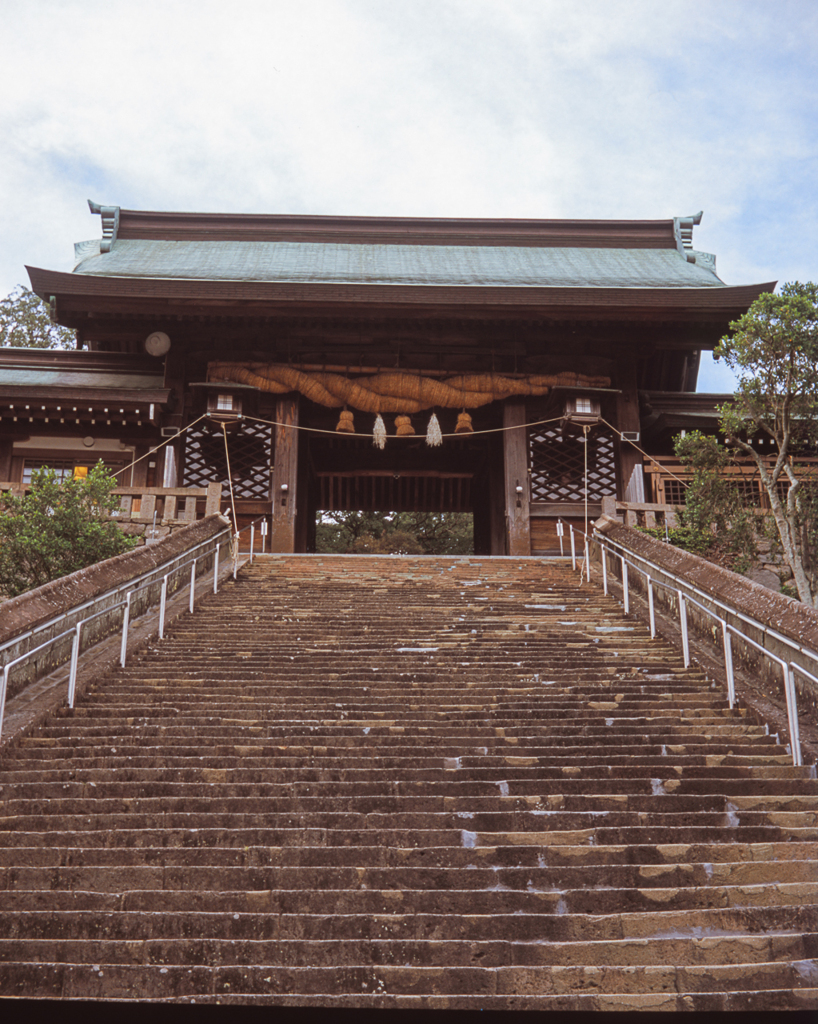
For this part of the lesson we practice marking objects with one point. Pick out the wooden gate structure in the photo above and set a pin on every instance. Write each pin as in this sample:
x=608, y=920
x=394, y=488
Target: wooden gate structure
x=572, y=345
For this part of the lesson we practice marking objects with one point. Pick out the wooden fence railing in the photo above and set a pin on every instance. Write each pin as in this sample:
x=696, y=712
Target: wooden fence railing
x=641, y=513
x=667, y=478
x=169, y=505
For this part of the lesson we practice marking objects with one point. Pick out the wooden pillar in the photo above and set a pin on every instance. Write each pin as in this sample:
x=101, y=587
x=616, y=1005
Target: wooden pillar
x=304, y=509
x=480, y=513
x=630, y=478
x=515, y=462
x=140, y=470
x=285, y=476
x=496, y=497
x=6, y=449
x=158, y=458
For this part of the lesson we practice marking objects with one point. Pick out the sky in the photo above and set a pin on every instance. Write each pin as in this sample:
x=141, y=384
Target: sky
x=430, y=108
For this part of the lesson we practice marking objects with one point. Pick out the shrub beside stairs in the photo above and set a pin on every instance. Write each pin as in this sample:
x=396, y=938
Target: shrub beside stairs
x=409, y=782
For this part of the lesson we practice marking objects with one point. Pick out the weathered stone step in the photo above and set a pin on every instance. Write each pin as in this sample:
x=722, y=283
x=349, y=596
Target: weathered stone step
x=664, y=729
x=745, y=949
x=764, y=793
x=549, y=777
x=388, y=729
x=526, y=927
x=395, y=749
x=452, y=902
x=665, y=809
x=761, y=1000
x=481, y=766
x=604, y=986
x=378, y=814
x=570, y=884
x=97, y=848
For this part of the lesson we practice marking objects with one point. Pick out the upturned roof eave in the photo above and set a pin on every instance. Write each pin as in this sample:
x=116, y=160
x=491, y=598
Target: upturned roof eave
x=727, y=299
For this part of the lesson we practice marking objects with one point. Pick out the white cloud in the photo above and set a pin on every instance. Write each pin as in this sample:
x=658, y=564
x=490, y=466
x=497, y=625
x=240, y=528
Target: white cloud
x=523, y=108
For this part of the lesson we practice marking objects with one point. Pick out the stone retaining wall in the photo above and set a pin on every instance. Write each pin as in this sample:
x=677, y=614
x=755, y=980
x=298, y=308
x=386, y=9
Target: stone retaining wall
x=784, y=615
x=69, y=599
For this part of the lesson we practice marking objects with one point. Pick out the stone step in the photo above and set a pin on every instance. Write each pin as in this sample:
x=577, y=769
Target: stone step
x=551, y=882
x=650, y=986
x=487, y=812
x=451, y=902
x=519, y=928
x=456, y=793
x=292, y=801
x=314, y=952
x=552, y=777
x=84, y=848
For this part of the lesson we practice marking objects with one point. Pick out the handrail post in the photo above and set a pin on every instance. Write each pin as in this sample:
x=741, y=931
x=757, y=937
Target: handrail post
x=252, y=540
x=162, y=604
x=587, y=561
x=650, y=608
x=6, y=669
x=792, y=714
x=625, y=596
x=192, y=583
x=728, y=664
x=216, y=571
x=126, y=619
x=573, y=550
x=75, y=656
x=235, y=554
x=604, y=569
x=683, y=624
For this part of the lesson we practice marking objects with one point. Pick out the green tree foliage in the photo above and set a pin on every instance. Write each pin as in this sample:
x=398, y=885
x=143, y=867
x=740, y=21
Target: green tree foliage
x=25, y=322
x=714, y=522
x=408, y=533
x=57, y=528
x=773, y=350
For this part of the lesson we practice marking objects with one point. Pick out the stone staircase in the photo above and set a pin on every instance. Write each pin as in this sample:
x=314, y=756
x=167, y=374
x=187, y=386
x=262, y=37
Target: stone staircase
x=456, y=783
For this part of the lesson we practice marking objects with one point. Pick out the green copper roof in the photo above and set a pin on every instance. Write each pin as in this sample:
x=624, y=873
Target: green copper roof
x=38, y=377
x=444, y=265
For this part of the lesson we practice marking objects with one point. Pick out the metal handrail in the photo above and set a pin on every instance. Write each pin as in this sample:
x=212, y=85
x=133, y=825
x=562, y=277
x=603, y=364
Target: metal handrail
x=788, y=668
x=114, y=590
x=214, y=541
x=235, y=541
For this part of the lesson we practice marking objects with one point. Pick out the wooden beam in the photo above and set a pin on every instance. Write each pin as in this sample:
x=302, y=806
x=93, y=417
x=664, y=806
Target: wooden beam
x=515, y=462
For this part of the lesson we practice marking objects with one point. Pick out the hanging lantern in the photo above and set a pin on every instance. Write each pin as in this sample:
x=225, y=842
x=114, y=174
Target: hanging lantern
x=434, y=438
x=463, y=423
x=346, y=424
x=379, y=432
x=403, y=426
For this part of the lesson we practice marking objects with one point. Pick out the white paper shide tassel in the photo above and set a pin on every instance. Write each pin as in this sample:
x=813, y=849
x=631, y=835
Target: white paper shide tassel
x=434, y=438
x=379, y=432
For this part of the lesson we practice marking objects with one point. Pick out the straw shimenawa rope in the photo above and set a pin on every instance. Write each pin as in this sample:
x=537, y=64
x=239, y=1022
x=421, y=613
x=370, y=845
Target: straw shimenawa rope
x=393, y=391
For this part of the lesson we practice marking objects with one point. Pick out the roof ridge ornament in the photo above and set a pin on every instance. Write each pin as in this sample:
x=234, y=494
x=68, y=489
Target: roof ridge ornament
x=683, y=229
x=110, y=223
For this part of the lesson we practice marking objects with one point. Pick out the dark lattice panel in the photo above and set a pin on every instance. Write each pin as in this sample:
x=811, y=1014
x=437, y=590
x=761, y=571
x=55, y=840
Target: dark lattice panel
x=394, y=493
x=558, y=466
x=748, y=490
x=250, y=458
x=675, y=492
